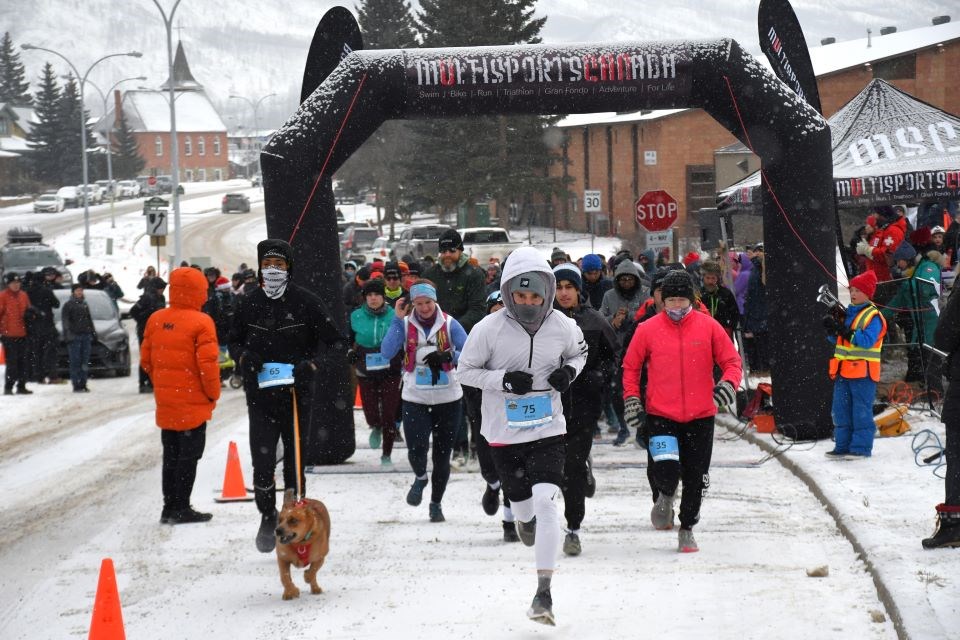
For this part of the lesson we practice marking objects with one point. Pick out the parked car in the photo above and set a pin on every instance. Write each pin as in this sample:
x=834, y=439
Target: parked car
x=48, y=203
x=357, y=242
x=146, y=189
x=418, y=241
x=380, y=249
x=25, y=251
x=107, y=188
x=165, y=185
x=70, y=196
x=110, y=352
x=94, y=195
x=484, y=243
x=128, y=189
x=235, y=202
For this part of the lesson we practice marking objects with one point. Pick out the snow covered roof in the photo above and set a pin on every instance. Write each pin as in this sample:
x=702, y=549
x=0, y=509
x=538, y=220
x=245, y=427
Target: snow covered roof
x=8, y=154
x=835, y=57
x=150, y=111
x=13, y=143
x=25, y=117
x=614, y=117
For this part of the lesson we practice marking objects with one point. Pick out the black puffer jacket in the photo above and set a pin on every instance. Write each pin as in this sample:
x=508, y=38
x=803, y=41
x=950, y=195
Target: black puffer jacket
x=290, y=329
x=947, y=338
x=76, y=319
x=583, y=401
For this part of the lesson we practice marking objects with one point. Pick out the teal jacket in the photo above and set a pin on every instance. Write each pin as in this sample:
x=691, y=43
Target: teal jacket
x=921, y=295
x=368, y=330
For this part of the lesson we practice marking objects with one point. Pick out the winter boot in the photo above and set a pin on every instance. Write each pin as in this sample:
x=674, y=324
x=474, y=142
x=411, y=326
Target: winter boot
x=527, y=531
x=591, y=487
x=436, y=513
x=686, y=542
x=490, y=501
x=386, y=462
x=188, y=516
x=947, y=532
x=266, y=535
x=375, y=438
x=662, y=513
x=415, y=495
x=571, y=544
x=510, y=532
x=541, y=609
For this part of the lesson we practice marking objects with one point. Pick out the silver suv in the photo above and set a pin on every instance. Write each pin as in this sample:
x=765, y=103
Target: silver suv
x=25, y=251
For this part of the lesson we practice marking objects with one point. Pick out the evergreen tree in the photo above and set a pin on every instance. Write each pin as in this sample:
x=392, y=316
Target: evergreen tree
x=44, y=134
x=68, y=140
x=14, y=87
x=127, y=161
x=466, y=160
x=381, y=162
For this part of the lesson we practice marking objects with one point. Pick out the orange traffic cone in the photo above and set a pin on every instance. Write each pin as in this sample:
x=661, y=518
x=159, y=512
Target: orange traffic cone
x=233, y=488
x=3, y=358
x=357, y=403
x=107, y=623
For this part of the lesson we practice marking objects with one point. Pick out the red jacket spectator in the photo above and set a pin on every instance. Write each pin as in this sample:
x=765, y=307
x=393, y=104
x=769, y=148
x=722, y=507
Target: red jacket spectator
x=13, y=304
x=679, y=354
x=882, y=245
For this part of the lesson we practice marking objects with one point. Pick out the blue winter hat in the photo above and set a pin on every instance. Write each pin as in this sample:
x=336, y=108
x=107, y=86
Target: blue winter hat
x=569, y=272
x=592, y=262
x=905, y=252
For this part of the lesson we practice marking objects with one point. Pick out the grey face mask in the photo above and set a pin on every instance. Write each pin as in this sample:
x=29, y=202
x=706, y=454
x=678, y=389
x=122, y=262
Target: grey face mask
x=527, y=313
x=678, y=314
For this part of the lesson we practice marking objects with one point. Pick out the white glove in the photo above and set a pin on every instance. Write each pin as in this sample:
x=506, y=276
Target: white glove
x=864, y=248
x=724, y=395
x=632, y=411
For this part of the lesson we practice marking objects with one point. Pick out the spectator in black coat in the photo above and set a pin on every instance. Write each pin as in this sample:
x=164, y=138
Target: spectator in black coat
x=78, y=332
x=719, y=301
x=151, y=300
x=43, y=331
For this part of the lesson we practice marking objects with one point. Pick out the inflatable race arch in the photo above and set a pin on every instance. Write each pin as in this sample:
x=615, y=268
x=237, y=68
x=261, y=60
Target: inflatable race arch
x=367, y=88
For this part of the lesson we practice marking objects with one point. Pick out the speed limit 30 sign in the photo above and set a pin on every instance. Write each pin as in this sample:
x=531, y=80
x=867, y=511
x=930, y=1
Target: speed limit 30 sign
x=591, y=200
x=656, y=210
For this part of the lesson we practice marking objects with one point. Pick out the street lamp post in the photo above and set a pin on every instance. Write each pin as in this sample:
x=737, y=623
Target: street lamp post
x=113, y=221
x=256, y=125
x=83, y=129
x=174, y=151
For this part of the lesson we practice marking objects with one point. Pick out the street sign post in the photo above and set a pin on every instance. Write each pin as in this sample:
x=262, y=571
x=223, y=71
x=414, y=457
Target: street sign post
x=660, y=239
x=591, y=200
x=656, y=211
x=156, y=211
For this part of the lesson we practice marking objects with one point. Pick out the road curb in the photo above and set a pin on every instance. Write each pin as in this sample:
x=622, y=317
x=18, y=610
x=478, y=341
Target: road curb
x=886, y=597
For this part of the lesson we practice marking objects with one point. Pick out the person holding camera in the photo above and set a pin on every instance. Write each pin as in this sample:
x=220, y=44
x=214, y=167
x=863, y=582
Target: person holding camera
x=279, y=337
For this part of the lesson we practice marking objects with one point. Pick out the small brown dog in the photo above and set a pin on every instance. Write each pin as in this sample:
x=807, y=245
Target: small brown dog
x=303, y=538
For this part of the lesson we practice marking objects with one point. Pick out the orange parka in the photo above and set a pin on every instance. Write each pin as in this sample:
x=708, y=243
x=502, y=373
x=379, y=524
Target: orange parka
x=12, y=307
x=180, y=353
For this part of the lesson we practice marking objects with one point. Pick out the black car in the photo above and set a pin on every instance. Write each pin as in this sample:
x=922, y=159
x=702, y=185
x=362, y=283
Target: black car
x=235, y=202
x=110, y=352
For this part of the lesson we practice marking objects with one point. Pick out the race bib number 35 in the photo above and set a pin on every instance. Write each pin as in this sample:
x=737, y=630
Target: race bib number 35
x=664, y=448
x=528, y=411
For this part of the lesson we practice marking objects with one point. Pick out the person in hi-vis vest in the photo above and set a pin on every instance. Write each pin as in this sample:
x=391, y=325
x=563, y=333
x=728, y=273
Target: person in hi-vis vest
x=855, y=368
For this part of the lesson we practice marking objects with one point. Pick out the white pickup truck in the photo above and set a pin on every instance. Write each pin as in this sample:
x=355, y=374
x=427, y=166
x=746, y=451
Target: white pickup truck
x=484, y=243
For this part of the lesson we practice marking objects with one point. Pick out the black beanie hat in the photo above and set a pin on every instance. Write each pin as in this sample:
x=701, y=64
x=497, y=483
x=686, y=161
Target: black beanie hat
x=450, y=239
x=276, y=248
x=373, y=285
x=677, y=284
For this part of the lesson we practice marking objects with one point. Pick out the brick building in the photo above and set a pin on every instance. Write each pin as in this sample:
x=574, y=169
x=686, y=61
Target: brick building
x=688, y=154
x=201, y=133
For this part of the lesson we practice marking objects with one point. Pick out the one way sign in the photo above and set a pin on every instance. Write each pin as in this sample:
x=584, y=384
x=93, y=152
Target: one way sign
x=157, y=223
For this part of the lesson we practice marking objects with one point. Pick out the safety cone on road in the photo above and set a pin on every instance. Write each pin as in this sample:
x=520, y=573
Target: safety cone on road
x=234, y=490
x=357, y=403
x=3, y=357
x=107, y=623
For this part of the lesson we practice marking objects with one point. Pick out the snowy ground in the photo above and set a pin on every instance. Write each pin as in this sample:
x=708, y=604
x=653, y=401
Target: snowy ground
x=80, y=477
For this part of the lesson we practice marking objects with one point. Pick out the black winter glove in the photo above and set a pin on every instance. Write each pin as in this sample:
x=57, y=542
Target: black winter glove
x=251, y=362
x=304, y=370
x=518, y=382
x=561, y=378
x=846, y=333
x=831, y=325
x=353, y=356
x=435, y=361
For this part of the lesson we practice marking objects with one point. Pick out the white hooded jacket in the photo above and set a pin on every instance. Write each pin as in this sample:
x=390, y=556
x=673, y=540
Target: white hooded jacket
x=499, y=343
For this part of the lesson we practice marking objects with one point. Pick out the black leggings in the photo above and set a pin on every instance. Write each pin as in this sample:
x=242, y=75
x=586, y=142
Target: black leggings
x=695, y=443
x=181, y=452
x=271, y=420
x=952, y=458
x=574, y=487
x=420, y=421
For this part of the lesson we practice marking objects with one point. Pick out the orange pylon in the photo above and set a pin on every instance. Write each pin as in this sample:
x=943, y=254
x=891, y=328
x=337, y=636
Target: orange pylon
x=3, y=358
x=234, y=490
x=107, y=623
x=357, y=403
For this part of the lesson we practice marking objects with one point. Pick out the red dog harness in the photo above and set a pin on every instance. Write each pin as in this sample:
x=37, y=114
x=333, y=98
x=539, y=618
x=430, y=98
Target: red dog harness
x=303, y=550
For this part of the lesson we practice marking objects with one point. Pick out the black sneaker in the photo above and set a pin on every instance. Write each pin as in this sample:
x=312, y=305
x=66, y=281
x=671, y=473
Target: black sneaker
x=491, y=501
x=571, y=545
x=835, y=455
x=527, y=531
x=266, y=535
x=188, y=516
x=541, y=609
x=165, y=515
x=510, y=532
x=23, y=391
x=436, y=513
x=8, y=392
x=415, y=495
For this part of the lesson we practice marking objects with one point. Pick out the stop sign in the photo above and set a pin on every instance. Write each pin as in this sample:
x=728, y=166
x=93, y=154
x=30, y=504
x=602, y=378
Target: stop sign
x=152, y=181
x=656, y=210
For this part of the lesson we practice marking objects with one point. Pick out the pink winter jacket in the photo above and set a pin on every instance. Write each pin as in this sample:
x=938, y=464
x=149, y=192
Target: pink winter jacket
x=679, y=358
